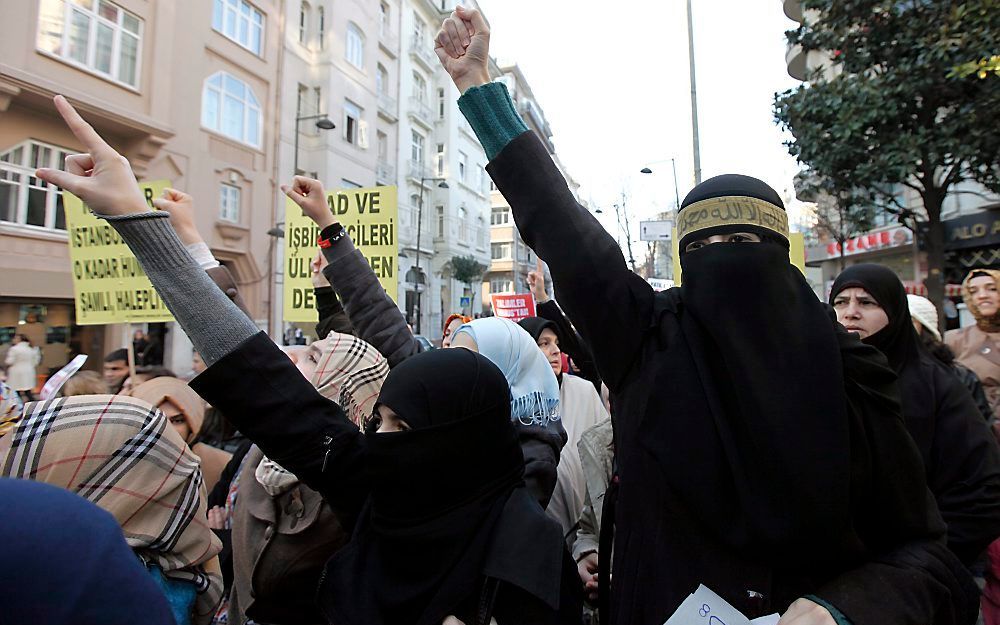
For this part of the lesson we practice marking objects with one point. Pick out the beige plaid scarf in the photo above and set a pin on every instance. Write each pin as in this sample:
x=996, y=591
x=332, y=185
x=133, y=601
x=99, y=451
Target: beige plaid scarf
x=350, y=372
x=121, y=454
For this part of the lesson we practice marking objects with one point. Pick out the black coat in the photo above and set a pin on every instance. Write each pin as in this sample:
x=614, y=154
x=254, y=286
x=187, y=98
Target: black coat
x=295, y=426
x=905, y=573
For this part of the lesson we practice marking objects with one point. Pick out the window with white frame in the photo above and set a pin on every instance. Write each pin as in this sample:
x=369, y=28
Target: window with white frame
x=439, y=160
x=419, y=27
x=25, y=199
x=499, y=216
x=352, y=122
x=229, y=203
x=440, y=221
x=355, y=47
x=95, y=35
x=321, y=35
x=229, y=107
x=303, y=22
x=383, y=18
x=381, y=80
x=483, y=187
x=463, y=224
x=480, y=232
x=417, y=148
x=463, y=164
x=501, y=285
x=382, y=145
x=500, y=251
x=419, y=87
x=239, y=21
x=441, y=104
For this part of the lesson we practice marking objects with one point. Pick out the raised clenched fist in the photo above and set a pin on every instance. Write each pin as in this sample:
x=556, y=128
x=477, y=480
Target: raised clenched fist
x=463, y=47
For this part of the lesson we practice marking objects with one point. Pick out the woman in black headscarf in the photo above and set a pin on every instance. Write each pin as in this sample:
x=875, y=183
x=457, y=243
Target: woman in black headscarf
x=433, y=491
x=449, y=528
x=960, y=456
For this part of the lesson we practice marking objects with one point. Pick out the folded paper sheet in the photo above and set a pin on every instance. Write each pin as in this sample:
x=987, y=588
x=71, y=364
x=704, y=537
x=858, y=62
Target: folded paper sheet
x=704, y=607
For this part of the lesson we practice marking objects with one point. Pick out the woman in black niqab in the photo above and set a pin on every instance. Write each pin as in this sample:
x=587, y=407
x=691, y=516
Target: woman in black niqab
x=449, y=527
x=960, y=457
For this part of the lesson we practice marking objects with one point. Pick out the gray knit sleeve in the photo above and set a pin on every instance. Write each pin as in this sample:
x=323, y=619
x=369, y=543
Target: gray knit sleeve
x=214, y=324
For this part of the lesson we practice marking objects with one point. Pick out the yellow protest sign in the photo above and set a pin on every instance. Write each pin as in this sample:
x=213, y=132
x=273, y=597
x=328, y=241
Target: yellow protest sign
x=796, y=253
x=109, y=286
x=371, y=218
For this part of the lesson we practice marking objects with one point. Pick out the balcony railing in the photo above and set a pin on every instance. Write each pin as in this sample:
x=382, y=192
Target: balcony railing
x=389, y=42
x=385, y=172
x=420, y=110
x=419, y=170
x=423, y=53
x=387, y=107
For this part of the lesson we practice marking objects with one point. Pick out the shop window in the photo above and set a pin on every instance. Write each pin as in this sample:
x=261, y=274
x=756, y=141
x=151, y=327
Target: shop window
x=25, y=199
x=95, y=35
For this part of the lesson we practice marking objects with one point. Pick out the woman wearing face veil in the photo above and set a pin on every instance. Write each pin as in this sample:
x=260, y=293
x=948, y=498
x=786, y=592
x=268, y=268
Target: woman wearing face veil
x=760, y=447
x=961, y=459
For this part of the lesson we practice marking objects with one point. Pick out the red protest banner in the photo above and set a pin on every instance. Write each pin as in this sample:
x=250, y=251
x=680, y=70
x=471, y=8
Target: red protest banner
x=513, y=306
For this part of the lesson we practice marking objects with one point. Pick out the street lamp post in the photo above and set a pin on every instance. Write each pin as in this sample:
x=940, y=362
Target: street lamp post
x=442, y=184
x=673, y=164
x=322, y=122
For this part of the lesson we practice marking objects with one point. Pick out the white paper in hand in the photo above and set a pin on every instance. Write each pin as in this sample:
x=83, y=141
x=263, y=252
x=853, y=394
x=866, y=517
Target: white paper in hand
x=767, y=620
x=704, y=607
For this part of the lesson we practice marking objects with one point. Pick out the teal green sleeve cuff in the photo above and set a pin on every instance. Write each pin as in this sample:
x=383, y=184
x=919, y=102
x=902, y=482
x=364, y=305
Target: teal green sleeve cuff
x=837, y=614
x=492, y=115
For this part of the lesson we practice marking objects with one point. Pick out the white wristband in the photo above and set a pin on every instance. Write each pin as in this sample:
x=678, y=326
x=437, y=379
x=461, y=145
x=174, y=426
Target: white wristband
x=202, y=255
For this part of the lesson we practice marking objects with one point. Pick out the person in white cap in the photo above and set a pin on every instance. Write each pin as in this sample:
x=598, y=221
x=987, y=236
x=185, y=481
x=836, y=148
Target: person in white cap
x=925, y=321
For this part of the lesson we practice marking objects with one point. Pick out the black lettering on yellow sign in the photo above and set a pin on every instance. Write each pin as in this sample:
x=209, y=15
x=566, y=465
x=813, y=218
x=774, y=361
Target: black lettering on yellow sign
x=370, y=203
x=382, y=265
x=299, y=267
x=139, y=300
x=303, y=236
x=148, y=192
x=96, y=301
x=303, y=298
x=94, y=236
x=372, y=234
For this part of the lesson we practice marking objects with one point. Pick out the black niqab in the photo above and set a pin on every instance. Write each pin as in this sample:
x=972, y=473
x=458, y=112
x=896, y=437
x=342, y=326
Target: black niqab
x=441, y=494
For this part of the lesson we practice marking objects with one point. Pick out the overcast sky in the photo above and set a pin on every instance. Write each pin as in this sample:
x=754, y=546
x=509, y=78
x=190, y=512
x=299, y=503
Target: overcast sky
x=613, y=83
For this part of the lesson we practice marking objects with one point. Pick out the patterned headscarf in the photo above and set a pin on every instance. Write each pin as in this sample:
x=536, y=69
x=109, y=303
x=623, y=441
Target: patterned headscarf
x=121, y=454
x=11, y=408
x=350, y=372
x=986, y=324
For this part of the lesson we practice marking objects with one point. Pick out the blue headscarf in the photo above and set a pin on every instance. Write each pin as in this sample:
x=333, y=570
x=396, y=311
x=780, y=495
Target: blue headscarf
x=534, y=390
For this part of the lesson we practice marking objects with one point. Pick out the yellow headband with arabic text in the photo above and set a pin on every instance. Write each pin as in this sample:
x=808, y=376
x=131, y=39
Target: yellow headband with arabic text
x=731, y=210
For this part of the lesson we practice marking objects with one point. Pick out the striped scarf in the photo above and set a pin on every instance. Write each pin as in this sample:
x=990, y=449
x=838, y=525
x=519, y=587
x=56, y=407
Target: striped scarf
x=121, y=454
x=11, y=408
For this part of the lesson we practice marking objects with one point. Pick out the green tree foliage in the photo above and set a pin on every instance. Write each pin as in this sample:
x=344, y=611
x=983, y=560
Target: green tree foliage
x=468, y=270
x=890, y=108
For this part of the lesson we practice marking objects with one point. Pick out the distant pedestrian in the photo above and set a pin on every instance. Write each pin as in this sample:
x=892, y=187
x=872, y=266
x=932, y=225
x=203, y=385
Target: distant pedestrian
x=978, y=346
x=22, y=358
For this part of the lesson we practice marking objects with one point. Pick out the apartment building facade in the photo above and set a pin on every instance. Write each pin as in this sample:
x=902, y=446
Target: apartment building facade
x=187, y=90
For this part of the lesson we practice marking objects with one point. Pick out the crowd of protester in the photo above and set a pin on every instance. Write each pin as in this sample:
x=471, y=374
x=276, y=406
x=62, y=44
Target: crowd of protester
x=832, y=463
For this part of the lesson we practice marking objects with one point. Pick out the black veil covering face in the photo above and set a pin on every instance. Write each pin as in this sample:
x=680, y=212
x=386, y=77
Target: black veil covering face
x=760, y=413
x=443, y=494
